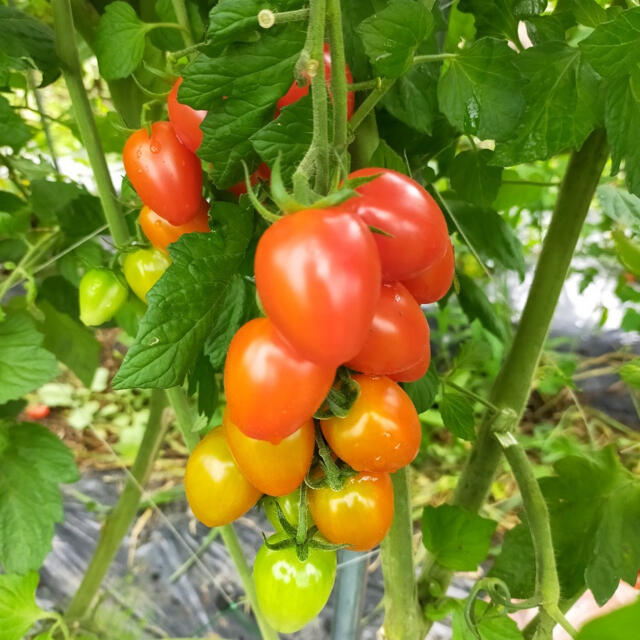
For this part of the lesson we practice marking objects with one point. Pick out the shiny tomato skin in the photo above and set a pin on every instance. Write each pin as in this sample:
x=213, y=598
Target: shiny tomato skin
x=271, y=390
x=161, y=233
x=295, y=92
x=318, y=278
x=185, y=120
x=381, y=432
x=433, y=284
x=275, y=469
x=164, y=173
x=216, y=490
x=417, y=370
x=261, y=173
x=291, y=592
x=358, y=515
x=398, y=336
x=398, y=205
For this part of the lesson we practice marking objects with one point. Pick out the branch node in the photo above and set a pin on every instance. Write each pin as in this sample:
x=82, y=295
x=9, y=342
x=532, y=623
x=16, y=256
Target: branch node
x=266, y=18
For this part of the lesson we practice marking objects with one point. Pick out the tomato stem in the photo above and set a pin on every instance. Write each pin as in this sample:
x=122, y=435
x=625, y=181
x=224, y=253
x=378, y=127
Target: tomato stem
x=268, y=18
x=180, y=9
x=338, y=79
x=434, y=57
x=370, y=102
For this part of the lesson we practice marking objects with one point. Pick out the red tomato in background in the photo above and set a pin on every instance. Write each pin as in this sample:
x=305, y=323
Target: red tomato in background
x=295, y=92
x=318, y=278
x=261, y=173
x=275, y=469
x=398, y=336
x=185, y=120
x=399, y=206
x=358, y=515
x=271, y=390
x=164, y=173
x=162, y=233
x=432, y=284
x=381, y=432
x=216, y=490
x=37, y=411
x=417, y=370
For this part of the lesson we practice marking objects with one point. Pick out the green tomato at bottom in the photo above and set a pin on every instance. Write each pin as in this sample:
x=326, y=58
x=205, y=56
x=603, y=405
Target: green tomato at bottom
x=290, y=592
x=143, y=268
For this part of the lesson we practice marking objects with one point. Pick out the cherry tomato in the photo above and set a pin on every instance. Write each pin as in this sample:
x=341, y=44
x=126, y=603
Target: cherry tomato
x=290, y=592
x=359, y=515
x=398, y=336
x=216, y=490
x=275, y=469
x=381, y=432
x=185, y=120
x=432, y=284
x=271, y=390
x=638, y=581
x=100, y=294
x=161, y=233
x=398, y=205
x=143, y=268
x=289, y=505
x=295, y=92
x=261, y=173
x=164, y=173
x=318, y=277
x=37, y=411
x=417, y=370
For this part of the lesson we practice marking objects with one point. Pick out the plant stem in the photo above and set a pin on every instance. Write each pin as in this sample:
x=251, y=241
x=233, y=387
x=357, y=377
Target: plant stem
x=470, y=394
x=118, y=522
x=182, y=17
x=403, y=619
x=268, y=18
x=370, y=102
x=365, y=85
x=338, y=79
x=185, y=416
x=435, y=57
x=512, y=386
x=45, y=121
x=72, y=71
x=532, y=183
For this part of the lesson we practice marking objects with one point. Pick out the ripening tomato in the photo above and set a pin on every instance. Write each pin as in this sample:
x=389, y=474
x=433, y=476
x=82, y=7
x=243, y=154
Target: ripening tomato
x=261, y=173
x=185, y=120
x=143, y=268
x=161, y=233
x=432, y=284
x=271, y=390
x=295, y=92
x=399, y=206
x=417, y=370
x=358, y=515
x=275, y=469
x=216, y=490
x=318, y=277
x=381, y=432
x=398, y=336
x=292, y=592
x=164, y=173
x=37, y=411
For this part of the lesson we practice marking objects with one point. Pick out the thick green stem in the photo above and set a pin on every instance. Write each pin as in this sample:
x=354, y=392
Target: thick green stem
x=512, y=387
x=185, y=416
x=182, y=17
x=338, y=80
x=369, y=103
x=402, y=618
x=119, y=520
x=433, y=57
x=44, y=119
x=72, y=71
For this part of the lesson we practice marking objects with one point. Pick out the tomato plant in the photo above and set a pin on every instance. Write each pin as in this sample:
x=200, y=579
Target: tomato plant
x=143, y=268
x=101, y=294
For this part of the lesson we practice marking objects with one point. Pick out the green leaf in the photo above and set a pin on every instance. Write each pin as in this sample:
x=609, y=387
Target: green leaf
x=475, y=304
x=613, y=49
x=202, y=283
x=353, y=13
x=13, y=131
x=630, y=320
x=423, y=392
x=22, y=36
x=586, y=12
x=457, y=415
x=391, y=36
x=384, y=156
x=489, y=235
x=18, y=608
x=24, y=364
x=457, y=538
x=630, y=373
x=480, y=90
x=620, y=206
x=490, y=624
x=120, y=40
x=473, y=178
x=32, y=464
x=15, y=216
x=622, y=121
x=500, y=18
x=613, y=626
x=563, y=98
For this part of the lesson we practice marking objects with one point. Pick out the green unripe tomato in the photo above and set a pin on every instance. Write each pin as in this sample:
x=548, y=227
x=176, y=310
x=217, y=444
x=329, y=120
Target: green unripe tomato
x=101, y=294
x=290, y=592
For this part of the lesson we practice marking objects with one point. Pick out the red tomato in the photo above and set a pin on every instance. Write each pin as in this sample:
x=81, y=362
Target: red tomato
x=295, y=92
x=37, y=411
x=261, y=173
x=398, y=336
x=275, y=469
x=381, y=432
x=433, y=283
x=271, y=390
x=417, y=370
x=164, y=173
x=318, y=277
x=399, y=206
x=161, y=233
x=185, y=120
x=216, y=490
x=359, y=515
